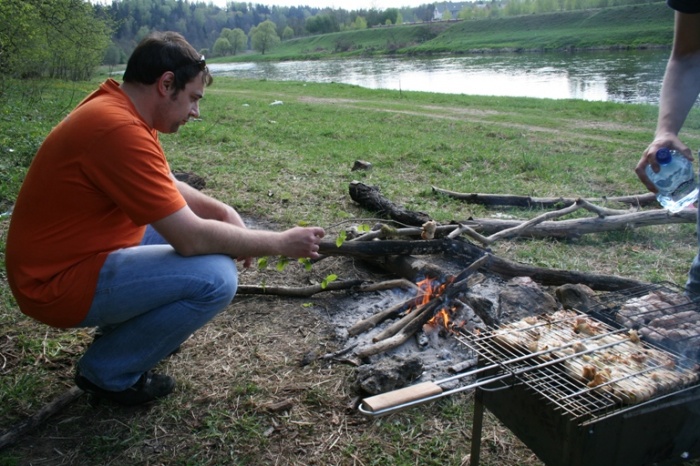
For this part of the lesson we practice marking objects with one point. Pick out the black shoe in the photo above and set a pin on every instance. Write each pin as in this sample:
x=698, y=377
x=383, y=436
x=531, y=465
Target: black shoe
x=149, y=387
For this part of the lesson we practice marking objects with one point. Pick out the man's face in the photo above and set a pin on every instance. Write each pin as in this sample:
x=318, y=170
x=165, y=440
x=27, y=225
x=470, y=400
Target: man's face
x=179, y=107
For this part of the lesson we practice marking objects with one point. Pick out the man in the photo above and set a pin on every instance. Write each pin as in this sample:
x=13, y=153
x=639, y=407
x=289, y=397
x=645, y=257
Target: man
x=102, y=235
x=679, y=91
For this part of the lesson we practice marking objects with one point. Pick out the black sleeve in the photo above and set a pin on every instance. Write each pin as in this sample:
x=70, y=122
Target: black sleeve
x=684, y=6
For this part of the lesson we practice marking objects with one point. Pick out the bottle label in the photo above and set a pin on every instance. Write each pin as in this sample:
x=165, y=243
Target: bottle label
x=683, y=189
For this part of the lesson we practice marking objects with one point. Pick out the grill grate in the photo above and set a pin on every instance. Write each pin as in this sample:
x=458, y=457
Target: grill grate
x=662, y=313
x=552, y=367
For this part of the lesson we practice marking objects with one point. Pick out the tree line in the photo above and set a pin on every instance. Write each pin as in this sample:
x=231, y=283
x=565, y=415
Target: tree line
x=69, y=39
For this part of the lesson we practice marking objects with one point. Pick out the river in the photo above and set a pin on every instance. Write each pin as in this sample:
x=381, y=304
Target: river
x=620, y=76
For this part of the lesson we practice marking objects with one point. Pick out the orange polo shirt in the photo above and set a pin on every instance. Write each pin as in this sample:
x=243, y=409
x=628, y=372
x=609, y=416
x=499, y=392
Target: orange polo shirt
x=98, y=179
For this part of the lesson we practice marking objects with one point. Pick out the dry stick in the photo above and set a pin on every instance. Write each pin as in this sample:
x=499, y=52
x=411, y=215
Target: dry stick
x=601, y=211
x=307, y=291
x=402, y=323
x=32, y=422
x=461, y=366
x=302, y=292
x=510, y=232
x=338, y=353
x=389, y=284
x=398, y=232
x=419, y=319
x=374, y=320
x=608, y=220
x=469, y=232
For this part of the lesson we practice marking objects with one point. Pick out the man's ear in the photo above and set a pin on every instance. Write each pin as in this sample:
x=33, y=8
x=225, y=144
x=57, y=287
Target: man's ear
x=166, y=83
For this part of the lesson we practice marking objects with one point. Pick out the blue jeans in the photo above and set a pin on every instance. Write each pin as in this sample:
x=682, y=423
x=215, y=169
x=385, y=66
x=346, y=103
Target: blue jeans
x=148, y=301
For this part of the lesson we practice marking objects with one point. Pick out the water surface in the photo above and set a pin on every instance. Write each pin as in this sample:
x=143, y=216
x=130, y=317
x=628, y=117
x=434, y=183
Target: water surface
x=625, y=76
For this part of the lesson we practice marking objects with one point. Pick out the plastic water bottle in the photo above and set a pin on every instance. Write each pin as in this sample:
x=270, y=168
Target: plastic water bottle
x=676, y=181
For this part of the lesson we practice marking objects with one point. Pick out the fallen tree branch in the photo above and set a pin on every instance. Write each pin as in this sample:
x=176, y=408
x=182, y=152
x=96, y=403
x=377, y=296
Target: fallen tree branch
x=573, y=228
x=300, y=292
x=520, y=229
x=507, y=200
x=307, y=291
x=570, y=228
x=546, y=276
x=32, y=422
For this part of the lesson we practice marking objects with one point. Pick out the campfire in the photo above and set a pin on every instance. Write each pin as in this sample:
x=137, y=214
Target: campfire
x=433, y=302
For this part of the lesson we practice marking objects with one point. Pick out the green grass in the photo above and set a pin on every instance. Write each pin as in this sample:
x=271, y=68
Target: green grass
x=292, y=163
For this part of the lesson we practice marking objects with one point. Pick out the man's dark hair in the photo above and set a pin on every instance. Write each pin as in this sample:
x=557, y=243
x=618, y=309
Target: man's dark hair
x=166, y=51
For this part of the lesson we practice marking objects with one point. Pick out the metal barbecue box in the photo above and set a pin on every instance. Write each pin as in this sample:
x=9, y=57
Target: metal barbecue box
x=617, y=385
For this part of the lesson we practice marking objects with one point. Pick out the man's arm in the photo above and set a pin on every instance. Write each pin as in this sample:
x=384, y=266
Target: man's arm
x=192, y=235
x=679, y=91
x=208, y=226
x=207, y=207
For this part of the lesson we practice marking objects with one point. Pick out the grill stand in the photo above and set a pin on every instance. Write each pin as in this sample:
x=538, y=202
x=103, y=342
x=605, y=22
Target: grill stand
x=660, y=433
x=477, y=426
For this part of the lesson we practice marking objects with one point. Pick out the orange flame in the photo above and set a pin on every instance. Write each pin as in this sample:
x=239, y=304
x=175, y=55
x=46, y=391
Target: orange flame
x=431, y=288
x=441, y=319
x=427, y=289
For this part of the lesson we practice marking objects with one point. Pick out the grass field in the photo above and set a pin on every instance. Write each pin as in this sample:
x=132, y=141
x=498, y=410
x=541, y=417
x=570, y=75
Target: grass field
x=291, y=163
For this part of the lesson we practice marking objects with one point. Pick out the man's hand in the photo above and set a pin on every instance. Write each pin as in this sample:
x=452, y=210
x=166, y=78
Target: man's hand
x=669, y=141
x=301, y=242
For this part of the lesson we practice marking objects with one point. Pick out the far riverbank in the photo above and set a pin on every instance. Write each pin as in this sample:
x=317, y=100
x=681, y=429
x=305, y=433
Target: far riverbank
x=640, y=27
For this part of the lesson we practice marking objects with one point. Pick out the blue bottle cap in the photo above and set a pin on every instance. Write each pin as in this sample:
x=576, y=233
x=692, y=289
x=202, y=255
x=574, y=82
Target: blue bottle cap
x=664, y=156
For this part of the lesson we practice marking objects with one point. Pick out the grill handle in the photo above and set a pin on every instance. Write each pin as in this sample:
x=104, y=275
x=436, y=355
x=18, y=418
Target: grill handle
x=401, y=396
x=397, y=400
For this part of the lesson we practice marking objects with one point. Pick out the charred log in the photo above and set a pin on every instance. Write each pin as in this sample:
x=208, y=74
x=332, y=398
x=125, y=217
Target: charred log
x=307, y=291
x=383, y=252
x=370, y=198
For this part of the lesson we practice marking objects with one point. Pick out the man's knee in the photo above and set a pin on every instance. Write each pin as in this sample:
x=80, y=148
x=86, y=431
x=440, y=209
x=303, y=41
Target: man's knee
x=226, y=273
